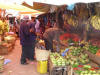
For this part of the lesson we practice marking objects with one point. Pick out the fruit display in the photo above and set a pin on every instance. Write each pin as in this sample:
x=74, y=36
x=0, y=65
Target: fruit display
x=75, y=56
x=3, y=27
x=86, y=70
x=98, y=53
x=95, y=21
x=89, y=73
x=57, y=59
x=91, y=48
x=72, y=21
x=1, y=63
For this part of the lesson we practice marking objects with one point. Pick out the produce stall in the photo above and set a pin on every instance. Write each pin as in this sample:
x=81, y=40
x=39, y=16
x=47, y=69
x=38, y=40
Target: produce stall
x=79, y=58
x=1, y=64
x=7, y=45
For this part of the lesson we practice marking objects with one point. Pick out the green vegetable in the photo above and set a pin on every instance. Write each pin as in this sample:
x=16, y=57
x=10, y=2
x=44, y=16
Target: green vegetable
x=86, y=66
x=93, y=49
x=78, y=72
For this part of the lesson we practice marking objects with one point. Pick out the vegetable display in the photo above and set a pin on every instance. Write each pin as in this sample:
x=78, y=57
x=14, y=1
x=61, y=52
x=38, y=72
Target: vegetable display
x=57, y=60
x=74, y=55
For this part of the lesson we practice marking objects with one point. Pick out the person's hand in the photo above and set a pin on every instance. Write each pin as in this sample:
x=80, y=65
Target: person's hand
x=55, y=42
x=66, y=45
x=31, y=30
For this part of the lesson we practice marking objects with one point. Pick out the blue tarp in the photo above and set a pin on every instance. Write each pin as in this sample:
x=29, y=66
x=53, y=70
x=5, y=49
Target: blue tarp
x=71, y=7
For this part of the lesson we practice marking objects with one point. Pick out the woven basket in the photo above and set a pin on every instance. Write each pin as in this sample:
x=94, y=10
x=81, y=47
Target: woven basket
x=41, y=54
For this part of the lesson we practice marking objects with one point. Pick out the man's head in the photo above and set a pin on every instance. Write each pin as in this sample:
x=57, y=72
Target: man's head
x=33, y=18
x=26, y=17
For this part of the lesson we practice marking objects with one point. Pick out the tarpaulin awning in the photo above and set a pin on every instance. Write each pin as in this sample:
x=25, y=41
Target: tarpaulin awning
x=31, y=13
x=52, y=2
x=16, y=7
x=65, y=2
x=38, y=6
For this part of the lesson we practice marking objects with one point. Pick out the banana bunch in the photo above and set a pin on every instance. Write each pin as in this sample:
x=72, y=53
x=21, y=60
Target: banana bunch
x=3, y=27
x=72, y=22
x=95, y=21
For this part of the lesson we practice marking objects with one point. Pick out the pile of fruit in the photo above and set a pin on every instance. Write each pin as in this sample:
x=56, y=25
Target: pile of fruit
x=57, y=59
x=75, y=56
x=87, y=70
x=1, y=63
x=91, y=48
x=95, y=21
x=89, y=73
x=3, y=27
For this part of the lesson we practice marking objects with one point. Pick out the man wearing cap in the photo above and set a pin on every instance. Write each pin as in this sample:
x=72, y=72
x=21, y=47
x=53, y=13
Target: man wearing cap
x=27, y=39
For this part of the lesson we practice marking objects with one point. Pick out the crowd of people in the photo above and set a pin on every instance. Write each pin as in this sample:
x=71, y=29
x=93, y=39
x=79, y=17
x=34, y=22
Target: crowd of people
x=29, y=29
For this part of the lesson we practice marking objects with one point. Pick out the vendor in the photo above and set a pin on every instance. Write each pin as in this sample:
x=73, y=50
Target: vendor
x=52, y=34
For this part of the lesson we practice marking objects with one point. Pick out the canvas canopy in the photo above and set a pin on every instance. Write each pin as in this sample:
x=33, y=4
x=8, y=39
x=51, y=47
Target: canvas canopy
x=52, y=2
x=16, y=7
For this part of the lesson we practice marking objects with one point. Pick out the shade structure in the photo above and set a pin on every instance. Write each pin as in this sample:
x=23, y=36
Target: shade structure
x=53, y=2
x=34, y=14
x=31, y=12
x=65, y=2
x=16, y=7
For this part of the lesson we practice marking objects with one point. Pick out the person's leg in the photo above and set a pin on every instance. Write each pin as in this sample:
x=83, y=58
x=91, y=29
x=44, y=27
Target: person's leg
x=48, y=45
x=32, y=52
x=51, y=46
x=23, y=55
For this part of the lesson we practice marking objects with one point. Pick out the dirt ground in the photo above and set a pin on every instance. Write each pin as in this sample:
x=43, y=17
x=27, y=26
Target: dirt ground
x=15, y=68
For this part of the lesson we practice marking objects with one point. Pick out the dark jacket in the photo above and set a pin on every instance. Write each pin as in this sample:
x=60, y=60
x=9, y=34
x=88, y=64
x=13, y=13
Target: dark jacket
x=27, y=37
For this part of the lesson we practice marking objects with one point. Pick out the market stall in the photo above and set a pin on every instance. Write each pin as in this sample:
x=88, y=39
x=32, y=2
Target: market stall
x=81, y=57
x=81, y=24
x=8, y=43
x=82, y=54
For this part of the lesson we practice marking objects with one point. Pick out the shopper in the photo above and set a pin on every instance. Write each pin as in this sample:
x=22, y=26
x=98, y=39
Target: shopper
x=37, y=26
x=27, y=39
x=18, y=21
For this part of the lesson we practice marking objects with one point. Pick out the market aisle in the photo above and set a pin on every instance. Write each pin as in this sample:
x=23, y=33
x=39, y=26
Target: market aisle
x=15, y=67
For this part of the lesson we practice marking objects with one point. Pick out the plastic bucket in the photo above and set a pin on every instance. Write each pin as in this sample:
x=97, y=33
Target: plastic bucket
x=42, y=67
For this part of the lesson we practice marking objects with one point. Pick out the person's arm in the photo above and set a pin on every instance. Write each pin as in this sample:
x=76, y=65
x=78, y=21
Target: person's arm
x=60, y=42
x=63, y=43
x=32, y=29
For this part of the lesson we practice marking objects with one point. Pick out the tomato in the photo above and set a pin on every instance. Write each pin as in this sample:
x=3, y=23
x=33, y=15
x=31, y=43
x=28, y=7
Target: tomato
x=92, y=69
x=75, y=68
x=96, y=68
x=80, y=65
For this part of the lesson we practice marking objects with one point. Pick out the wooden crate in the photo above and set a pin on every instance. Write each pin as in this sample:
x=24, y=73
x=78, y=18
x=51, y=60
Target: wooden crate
x=93, y=57
x=60, y=70
x=57, y=70
x=6, y=49
x=1, y=64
